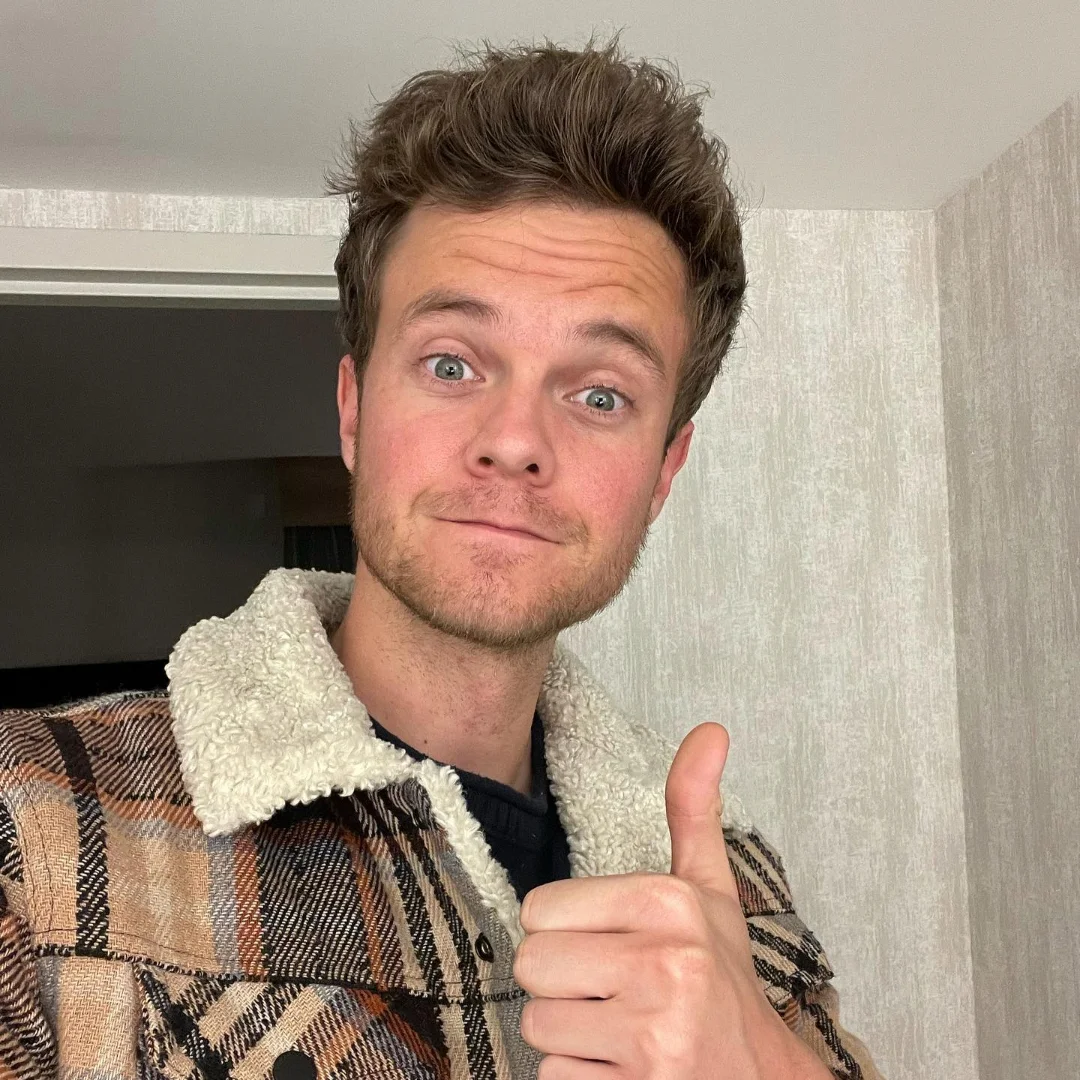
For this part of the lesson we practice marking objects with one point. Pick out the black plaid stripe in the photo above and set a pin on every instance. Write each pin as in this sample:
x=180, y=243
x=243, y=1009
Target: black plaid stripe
x=421, y=1014
x=131, y=745
x=806, y=965
x=309, y=903
x=11, y=865
x=480, y=1053
x=127, y=737
x=174, y=1027
x=182, y=1003
x=397, y=826
x=260, y=1017
x=824, y=1024
x=91, y=877
x=776, y=884
x=752, y=898
x=24, y=737
x=381, y=928
x=768, y=852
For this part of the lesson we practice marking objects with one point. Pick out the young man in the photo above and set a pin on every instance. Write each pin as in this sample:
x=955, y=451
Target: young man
x=383, y=825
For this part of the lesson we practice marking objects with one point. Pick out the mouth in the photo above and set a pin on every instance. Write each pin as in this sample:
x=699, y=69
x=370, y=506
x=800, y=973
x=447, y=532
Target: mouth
x=487, y=528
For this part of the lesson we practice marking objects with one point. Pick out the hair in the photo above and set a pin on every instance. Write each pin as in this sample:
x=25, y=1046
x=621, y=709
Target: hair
x=586, y=128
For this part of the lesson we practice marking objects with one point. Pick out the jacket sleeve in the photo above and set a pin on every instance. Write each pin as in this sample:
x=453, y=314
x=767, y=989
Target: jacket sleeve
x=790, y=961
x=27, y=1044
x=815, y=1018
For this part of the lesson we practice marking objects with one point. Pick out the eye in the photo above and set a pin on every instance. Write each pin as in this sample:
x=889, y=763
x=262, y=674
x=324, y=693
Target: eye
x=448, y=367
x=604, y=399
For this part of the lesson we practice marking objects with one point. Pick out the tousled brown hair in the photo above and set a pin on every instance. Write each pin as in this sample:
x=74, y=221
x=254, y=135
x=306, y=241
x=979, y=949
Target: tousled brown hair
x=540, y=122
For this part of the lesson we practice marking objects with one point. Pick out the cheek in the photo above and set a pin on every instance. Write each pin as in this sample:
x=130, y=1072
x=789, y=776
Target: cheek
x=399, y=455
x=614, y=495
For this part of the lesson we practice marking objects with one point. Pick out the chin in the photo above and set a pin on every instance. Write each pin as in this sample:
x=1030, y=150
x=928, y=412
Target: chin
x=495, y=618
x=497, y=599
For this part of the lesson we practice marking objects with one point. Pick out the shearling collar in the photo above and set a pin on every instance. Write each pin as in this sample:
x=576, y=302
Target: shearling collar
x=264, y=714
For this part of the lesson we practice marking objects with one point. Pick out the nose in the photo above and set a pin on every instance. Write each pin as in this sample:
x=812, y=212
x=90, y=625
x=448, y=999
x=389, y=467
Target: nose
x=512, y=439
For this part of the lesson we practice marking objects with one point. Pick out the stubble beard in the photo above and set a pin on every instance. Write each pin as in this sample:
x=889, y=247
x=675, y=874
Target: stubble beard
x=478, y=599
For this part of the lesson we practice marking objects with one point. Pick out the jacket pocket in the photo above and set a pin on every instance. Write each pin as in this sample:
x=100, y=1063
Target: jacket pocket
x=210, y=1027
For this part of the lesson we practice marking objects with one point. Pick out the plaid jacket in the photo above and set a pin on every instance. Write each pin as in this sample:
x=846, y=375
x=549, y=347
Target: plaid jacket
x=237, y=878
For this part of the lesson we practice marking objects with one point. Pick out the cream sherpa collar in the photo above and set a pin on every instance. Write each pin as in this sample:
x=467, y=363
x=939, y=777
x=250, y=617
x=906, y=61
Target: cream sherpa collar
x=264, y=714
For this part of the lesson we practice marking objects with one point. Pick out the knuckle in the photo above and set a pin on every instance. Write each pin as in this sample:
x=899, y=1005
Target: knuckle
x=695, y=962
x=682, y=966
x=669, y=1044
x=672, y=897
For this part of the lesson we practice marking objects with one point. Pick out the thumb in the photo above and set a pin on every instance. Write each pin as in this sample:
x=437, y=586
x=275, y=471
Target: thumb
x=694, y=805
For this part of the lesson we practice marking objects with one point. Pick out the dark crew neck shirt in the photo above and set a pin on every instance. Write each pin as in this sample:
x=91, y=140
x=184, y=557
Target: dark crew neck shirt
x=523, y=831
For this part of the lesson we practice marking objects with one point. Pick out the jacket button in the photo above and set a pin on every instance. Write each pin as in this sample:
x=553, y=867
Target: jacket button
x=484, y=949
x=294, y=1065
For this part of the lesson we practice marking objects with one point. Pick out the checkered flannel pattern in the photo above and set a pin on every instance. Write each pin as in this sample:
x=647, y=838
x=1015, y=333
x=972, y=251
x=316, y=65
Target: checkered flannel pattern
x=134, y=945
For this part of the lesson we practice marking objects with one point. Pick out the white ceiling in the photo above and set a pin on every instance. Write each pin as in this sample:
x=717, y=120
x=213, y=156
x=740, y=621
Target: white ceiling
x=824, y=103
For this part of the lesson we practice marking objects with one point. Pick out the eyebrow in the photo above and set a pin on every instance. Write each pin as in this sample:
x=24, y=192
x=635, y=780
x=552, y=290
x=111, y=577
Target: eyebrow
x=611, y=331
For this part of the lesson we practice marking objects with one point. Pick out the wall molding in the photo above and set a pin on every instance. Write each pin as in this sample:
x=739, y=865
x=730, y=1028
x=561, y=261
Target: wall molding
x=54, y=208
x=88, y=265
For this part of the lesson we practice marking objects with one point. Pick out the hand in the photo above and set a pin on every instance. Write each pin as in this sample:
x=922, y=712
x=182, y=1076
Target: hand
x=650, y=976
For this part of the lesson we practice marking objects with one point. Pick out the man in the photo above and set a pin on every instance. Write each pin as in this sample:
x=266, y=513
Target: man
x=383, y=825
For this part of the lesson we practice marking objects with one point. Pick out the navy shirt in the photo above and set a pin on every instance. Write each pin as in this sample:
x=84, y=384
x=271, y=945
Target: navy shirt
x=523, y=831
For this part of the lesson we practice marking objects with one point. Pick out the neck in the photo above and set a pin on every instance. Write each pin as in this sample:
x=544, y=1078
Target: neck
x=460, y=703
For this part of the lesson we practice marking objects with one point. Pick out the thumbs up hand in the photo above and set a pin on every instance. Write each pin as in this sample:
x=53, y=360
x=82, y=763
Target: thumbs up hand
x=650, y=976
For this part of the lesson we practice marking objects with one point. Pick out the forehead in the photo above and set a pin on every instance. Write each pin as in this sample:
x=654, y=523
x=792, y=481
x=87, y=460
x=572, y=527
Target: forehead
x=537, y=260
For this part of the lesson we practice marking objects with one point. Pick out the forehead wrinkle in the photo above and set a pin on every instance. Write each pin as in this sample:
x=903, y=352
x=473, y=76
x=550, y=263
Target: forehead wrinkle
x=640, y=261
x=626, y=254
x=642, y=285
x=556, y=241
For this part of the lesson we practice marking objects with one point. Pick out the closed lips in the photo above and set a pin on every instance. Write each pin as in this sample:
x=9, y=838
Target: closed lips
x=516, y=530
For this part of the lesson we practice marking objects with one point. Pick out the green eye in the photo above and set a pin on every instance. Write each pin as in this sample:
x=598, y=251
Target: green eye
x=451, y=368
x=604, y=399
x=601, y=400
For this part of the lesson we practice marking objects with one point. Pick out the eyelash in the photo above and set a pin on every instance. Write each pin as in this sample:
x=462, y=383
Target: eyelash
x=592, y=386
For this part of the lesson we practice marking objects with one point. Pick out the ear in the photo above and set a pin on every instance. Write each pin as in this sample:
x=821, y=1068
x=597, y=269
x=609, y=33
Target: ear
x=674, y=460
x=348, y=409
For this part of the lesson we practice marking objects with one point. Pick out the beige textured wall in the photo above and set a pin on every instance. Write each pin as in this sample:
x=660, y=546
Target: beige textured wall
x=796, y=588
x=1009, y=278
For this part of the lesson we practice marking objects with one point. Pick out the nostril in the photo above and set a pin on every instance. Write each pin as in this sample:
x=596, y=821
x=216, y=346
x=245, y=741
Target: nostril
x=534, y=468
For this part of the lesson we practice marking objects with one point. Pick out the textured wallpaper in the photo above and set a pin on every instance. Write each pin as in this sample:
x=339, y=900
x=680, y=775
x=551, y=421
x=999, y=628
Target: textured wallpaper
x=1009, y=279
x=796, y=588
x=57, y=209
